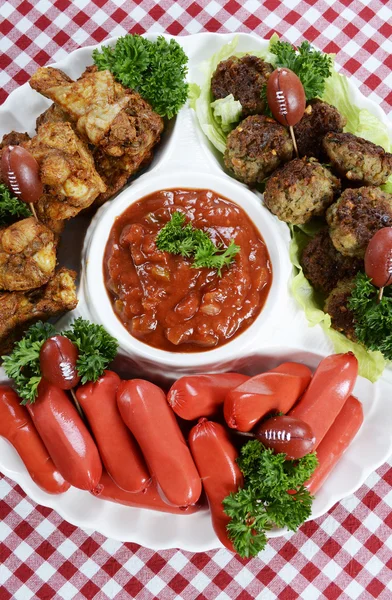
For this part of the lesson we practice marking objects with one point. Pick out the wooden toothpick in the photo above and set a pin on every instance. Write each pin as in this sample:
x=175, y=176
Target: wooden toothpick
x=294, y=140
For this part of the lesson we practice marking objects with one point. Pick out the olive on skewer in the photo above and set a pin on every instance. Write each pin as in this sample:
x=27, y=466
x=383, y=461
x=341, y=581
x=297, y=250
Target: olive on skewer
x=378, y=259
x=21, y=173
x=286, y=99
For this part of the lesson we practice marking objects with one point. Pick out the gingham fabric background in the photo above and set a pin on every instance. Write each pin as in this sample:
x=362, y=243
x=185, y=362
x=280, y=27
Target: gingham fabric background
x=346, y=554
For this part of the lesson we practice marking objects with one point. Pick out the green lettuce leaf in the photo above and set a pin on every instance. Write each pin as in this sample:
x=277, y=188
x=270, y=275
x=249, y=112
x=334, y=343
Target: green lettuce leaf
x=360, y=121
x=193, y=94
x=202, y=105
x=387, y=187
x=227, y=111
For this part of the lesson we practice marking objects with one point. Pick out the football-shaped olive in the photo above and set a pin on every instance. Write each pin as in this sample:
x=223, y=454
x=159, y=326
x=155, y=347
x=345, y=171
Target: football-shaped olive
x=286, y=435
x=21, y=173
x=57, y=361
x=286, y=96
x=378, y=258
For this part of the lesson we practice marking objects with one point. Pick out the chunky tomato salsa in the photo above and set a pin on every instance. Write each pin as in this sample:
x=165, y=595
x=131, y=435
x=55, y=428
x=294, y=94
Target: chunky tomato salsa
x=160, y=297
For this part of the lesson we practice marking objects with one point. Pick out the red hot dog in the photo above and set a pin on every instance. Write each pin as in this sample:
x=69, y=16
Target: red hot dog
x=17, y=427
x=145, y=411
x=195, y=396
x=148, y=498
x=276, y=390
x=66, y=437
x=332, y=384
x=119, y=452
x=215, y=457
x=337, y=439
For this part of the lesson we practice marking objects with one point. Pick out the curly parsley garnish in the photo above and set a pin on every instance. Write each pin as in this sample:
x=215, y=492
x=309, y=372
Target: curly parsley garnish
x=273, y=494
x=312, y=66
x=11, y=208
x=97, y=348
x=22, y=365
x=177, y=238
x=156, y=70
x=373, y=319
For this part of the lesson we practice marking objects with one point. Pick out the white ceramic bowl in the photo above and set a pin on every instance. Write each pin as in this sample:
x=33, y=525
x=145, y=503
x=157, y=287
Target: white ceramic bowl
x=98, y=301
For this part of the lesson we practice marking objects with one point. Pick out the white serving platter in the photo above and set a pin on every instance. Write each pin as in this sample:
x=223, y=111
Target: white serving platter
x=285, y=335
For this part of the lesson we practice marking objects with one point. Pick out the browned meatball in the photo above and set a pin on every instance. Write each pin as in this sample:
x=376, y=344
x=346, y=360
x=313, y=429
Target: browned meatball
x=336, y=305
x=319, y=118
x=300, y=190
x=244, y=78
x=355, y=218
x=324, y=266
x=358, y=159
x=257, y=147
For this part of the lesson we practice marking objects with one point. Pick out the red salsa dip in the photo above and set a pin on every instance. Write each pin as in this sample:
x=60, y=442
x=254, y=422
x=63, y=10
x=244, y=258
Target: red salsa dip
x=160, y=298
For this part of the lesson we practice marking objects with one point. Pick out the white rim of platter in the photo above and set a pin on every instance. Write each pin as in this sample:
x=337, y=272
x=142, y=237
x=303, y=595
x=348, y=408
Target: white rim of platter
x=188, y=149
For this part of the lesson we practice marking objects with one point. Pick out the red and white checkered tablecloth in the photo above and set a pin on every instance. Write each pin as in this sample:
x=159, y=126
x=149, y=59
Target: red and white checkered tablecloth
x=345, y=554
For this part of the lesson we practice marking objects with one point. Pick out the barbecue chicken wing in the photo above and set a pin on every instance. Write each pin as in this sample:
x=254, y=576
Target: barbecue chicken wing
x=67, y=171
x=27, y=255
x=112, y=170
x=53, y=114
x=93, y=102
x=115, y=172
x=117, y=121
x=43, y=209
x=14, y=138
x=19, y=310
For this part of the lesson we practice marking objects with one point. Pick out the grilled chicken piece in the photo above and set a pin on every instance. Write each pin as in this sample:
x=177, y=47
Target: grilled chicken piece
x=66, y=169
x=121, y=125
x=82, y=99
x=114, y=172
x=27, y=255
x=53, y=114
x=43, y=209
x=14, y=138
x=19, y=310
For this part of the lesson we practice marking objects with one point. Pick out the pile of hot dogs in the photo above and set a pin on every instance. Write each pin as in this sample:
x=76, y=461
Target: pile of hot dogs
x=130, y=446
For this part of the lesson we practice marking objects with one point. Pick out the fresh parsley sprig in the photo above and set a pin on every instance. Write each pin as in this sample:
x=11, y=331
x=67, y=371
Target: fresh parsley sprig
x=156, y=70
x=373, y=319
x=177, y=238
x=127, y=60
x=11, y=208
x=312, y=66
x=22, y=365
x=97, y=348
x=273, y=494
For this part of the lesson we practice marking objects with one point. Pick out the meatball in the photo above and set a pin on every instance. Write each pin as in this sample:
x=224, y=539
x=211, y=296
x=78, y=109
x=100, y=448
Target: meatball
x=324, y=266
x=336, y=305
x=358, y=159
x=355, y=218
x=244, y=78
x=257, y=147
x=319, y=118
x=300, y=190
